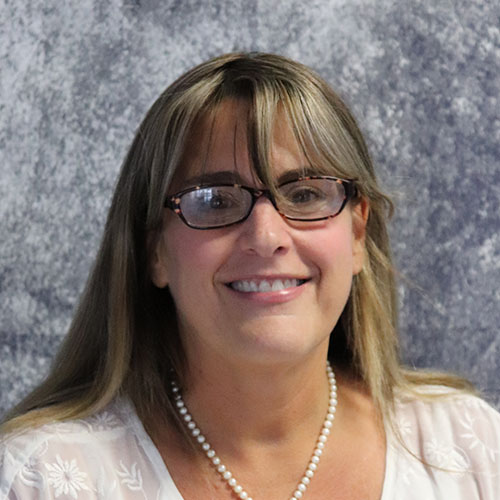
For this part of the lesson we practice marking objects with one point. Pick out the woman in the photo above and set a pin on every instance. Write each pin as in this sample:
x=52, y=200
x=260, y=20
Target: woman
x=237, y=335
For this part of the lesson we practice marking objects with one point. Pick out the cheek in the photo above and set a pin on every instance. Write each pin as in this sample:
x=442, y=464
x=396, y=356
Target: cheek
x=192, y=259
x=334, y=250
x=334, y=258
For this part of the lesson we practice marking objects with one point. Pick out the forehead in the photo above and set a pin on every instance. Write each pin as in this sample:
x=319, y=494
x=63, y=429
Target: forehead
x=217, y=148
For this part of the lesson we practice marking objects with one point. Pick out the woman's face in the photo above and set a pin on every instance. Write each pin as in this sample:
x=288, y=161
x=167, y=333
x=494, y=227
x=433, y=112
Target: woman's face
x=205, y=269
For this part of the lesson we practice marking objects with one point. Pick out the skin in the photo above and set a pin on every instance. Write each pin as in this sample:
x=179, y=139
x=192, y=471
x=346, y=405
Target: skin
x=256, y=361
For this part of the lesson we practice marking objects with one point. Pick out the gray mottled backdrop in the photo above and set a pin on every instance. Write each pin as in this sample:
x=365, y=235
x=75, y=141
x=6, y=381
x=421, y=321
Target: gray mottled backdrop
x=423, y=78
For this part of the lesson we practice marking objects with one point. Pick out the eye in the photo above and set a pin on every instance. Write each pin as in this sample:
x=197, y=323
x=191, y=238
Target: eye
x=220, y=201
x=217, y=198
x=304, y=194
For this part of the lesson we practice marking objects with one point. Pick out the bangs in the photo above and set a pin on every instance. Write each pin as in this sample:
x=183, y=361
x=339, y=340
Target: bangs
x=307, y=112
x=260, y=107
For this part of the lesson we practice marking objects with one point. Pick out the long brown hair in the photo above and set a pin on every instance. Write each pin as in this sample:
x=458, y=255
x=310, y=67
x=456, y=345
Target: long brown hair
x=123, y=338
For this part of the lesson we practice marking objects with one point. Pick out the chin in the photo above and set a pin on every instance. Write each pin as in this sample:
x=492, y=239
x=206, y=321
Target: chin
x=278, y=346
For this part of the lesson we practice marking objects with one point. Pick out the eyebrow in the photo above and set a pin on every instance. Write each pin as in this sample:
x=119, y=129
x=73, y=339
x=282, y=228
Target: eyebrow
x=292, y=175
x=223, y=177
x=230, y=177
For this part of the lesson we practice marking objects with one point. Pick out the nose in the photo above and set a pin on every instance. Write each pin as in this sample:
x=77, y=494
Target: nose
x=265, y=232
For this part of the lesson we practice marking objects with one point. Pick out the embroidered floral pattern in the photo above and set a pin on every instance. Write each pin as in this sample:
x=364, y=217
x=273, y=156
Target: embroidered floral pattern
x=131, y=478
x=66, y=478
x=102, y=421
x=30, y=474
x=477, y=437
x=448, y=457
x=404, y=426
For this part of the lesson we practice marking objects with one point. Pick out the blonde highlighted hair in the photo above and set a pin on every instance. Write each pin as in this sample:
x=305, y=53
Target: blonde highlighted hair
x=124, y=339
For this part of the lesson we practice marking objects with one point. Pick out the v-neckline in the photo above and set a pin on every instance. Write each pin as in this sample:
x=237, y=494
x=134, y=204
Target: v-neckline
x=169, y=488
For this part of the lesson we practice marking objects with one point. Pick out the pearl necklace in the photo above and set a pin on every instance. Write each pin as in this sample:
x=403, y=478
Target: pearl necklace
x=223, y=470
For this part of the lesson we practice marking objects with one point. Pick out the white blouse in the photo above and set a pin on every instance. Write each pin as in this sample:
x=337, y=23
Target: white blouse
x=110, y=456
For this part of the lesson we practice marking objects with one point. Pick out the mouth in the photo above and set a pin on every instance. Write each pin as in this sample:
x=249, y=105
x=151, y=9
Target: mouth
x=265, y=285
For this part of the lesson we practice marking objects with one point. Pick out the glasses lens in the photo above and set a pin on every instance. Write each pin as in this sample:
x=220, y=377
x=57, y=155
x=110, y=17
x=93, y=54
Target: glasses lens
x=215, y=206
x=309, y=199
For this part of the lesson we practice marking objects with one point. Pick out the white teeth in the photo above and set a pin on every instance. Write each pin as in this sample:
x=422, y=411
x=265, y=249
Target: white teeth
x=277, y=285
x=265, y=285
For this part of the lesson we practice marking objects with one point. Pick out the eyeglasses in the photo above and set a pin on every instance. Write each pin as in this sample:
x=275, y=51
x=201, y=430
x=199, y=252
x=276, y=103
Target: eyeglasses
x=310, y=198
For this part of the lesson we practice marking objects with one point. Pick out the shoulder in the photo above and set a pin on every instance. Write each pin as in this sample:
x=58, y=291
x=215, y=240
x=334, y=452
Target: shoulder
x=66, y=458
x=437, y=408
x=456, y=438
x=100, y=427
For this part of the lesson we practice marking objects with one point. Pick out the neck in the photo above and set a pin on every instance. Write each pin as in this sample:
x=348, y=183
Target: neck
x=258, y=404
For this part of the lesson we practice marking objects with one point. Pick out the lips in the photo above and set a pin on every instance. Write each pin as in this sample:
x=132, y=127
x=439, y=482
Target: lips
x=265, y=285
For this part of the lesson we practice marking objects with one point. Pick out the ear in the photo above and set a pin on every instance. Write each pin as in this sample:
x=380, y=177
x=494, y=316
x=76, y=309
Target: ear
x=360, y=214
x=157, y=260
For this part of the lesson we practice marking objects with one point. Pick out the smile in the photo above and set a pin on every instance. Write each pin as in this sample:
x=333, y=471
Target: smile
x=262, y=286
